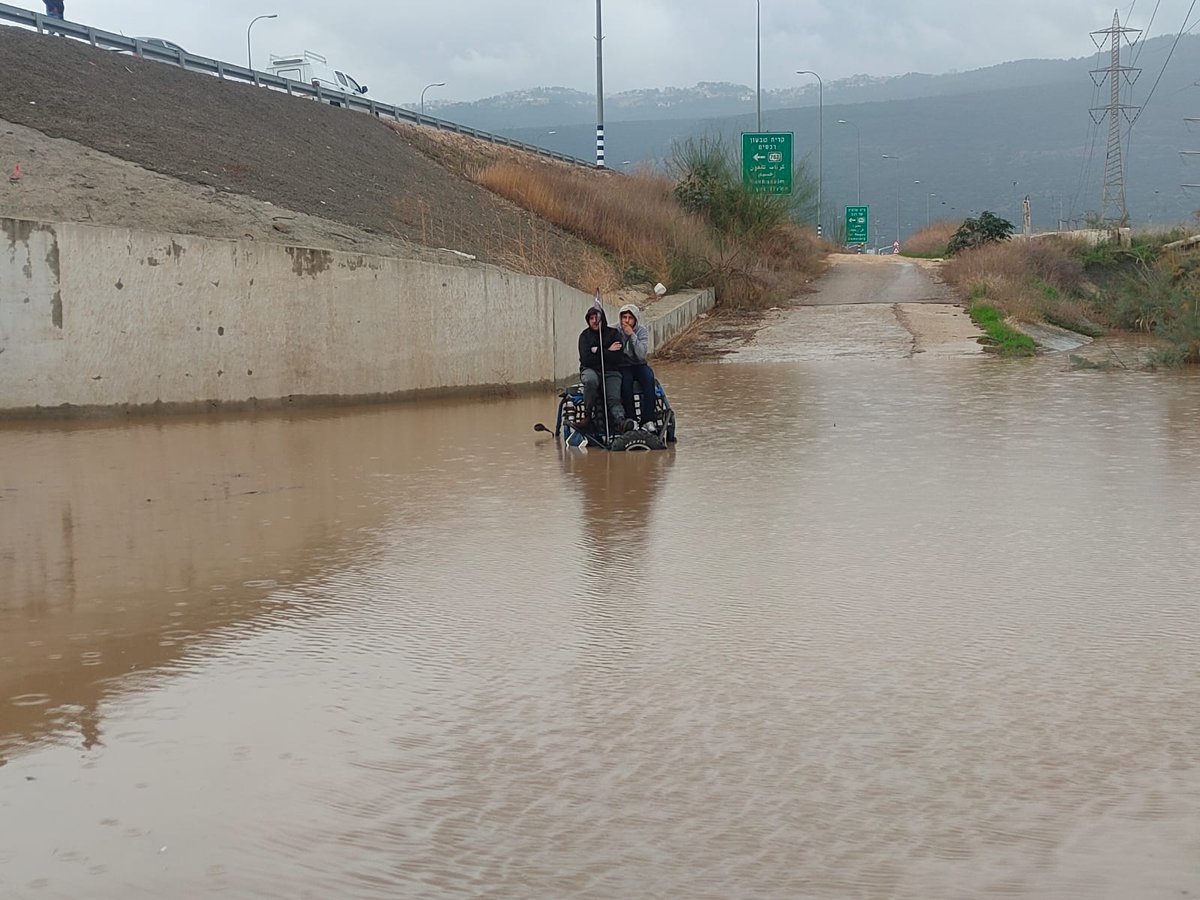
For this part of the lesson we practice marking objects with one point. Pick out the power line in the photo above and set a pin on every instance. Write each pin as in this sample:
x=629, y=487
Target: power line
x=1170, y=53
x=1145, y=34
x=1093, y=132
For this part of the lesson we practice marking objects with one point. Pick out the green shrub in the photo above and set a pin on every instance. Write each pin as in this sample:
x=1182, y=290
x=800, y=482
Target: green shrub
x=1102, y=256
x=1047, y=289
x=985, y=229
x=708, y=183
x=1162, y=299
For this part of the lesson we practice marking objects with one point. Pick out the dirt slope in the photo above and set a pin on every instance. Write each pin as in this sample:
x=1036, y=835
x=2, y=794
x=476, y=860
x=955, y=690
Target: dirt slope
x=278, y=153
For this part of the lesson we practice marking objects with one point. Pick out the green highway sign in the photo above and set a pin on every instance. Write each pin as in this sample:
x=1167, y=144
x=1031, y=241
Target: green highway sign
x=767, y=161
x=858, y=221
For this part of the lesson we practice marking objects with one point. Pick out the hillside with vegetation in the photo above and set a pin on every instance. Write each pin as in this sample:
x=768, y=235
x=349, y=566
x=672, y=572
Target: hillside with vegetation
x=1147, y=285
x=384, y=187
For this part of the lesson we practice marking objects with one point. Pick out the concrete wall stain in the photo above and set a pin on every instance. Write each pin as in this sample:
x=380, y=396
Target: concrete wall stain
x=18, y=231
x=308, y=261
x=21, y=231
x=354, y=263
x=52, y=262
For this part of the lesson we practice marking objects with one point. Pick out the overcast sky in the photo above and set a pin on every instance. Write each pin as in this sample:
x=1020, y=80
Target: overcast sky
x=481, y=47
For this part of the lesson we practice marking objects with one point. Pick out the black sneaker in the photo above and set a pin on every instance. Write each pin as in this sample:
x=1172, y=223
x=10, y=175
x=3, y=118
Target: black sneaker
x=629, y=425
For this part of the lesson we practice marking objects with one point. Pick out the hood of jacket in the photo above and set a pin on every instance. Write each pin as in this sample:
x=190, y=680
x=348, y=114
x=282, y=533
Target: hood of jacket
x=603, y=318
x=631, y=308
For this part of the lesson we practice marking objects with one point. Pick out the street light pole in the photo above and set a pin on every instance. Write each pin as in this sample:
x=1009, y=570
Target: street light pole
x=758, y=60
x=927, y=196
x=249, y=57
x=820, y=139
x=599, y=92
x=896, y=159
x=427, y=87
x=858, y=165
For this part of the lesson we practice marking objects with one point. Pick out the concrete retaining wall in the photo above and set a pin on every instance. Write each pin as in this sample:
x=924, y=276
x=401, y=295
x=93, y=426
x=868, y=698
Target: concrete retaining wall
x=1090, y=236
x=667, y=317
x=95, y=316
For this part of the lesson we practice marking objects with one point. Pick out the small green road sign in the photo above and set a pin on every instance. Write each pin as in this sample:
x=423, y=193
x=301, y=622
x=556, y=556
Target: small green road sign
x=858, y=224
x=767, y=161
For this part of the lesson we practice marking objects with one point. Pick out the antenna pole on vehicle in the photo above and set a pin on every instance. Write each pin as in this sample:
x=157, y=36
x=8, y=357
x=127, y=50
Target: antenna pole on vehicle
x=603, y=378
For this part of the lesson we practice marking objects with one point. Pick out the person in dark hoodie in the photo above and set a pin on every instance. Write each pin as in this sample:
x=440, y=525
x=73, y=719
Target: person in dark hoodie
x=600, y=346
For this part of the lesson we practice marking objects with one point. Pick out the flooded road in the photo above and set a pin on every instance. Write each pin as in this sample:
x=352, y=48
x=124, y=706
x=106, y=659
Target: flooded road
x=920, y=627
x=863, y=306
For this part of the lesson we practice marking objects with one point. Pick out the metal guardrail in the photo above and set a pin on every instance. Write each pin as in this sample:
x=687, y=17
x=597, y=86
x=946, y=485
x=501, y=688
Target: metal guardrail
x=106, y=40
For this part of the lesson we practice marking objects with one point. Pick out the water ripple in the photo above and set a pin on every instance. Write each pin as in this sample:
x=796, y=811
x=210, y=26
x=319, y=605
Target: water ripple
x=873, y=630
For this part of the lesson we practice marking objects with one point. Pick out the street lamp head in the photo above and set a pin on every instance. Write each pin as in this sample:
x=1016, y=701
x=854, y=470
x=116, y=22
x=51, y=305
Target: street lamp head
x=249, y=54
x=427, y=87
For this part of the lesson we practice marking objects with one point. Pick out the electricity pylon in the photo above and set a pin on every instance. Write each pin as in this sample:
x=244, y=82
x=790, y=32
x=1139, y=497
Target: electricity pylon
x=1113, y=208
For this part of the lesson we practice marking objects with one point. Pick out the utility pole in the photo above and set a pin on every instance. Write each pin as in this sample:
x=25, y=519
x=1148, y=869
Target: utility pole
x=1113, y=209
x=820, y=139
x=758, y=59
x=599, y=91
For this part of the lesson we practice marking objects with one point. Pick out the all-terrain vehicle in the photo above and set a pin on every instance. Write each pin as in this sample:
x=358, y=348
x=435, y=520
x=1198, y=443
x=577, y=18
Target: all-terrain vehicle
x=582, y=427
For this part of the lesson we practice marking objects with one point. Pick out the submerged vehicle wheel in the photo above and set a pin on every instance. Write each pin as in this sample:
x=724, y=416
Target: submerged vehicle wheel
x=637, y=440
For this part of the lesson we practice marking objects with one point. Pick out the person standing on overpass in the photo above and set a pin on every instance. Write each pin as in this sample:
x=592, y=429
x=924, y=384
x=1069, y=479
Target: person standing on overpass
x=54, y=8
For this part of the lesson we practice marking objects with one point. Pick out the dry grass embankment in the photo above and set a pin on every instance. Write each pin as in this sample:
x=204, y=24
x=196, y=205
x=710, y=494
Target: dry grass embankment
x=930, y=242
x=1145, y=287
x=650, y=237
x=1029, y=280
x=640, y=231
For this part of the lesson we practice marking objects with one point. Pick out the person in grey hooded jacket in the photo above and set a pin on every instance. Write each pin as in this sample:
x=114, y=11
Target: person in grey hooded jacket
x=635, y=341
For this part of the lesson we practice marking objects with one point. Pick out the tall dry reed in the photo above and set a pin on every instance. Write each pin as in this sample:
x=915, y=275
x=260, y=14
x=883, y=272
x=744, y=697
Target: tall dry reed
x=931, y=241
x=632, y=225
x=634, y=217
x=1029, y=279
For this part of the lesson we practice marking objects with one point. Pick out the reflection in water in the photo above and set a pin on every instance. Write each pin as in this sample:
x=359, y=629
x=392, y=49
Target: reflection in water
x=619, y=514
x=875, y=629
x=617, y=508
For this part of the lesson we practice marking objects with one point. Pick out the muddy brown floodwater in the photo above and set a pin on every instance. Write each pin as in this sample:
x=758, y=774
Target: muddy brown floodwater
x=919, y=626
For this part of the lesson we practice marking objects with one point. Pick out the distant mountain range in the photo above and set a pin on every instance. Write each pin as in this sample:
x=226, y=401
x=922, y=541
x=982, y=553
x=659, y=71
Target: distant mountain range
x=547, y=106
x=956, y=144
